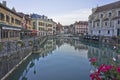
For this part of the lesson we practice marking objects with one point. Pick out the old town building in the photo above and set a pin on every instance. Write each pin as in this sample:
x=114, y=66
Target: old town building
x=54, y=28
x=26, y=25
x=10, y=23
x=42, y=25
x=66, y=29
x=59, y=29
x=81, y=28
x=105, y=20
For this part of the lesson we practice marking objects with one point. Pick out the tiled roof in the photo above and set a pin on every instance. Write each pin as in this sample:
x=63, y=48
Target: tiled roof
x=82, y=23
x=6, y=8
x=21, y=14
x=110, y=6
x=35, y=16
x=24, y=15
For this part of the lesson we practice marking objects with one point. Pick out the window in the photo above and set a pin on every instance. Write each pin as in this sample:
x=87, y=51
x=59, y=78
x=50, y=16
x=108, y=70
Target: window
x=39, y=23
x=91, y=31
x=4, y=34
x=110, y=14
x=101, y=15
x=12, y=20
x=17, y=22
x=99, y=31
x=12, y=34
x=118, y=21
x=105, y=23
x=2, y=16
x=118, y=13
x=34, y=25
x=39, y=28
x=49, y=25
x=7, y=18
x=108, y=31
x=42, y=24
x=97, y=23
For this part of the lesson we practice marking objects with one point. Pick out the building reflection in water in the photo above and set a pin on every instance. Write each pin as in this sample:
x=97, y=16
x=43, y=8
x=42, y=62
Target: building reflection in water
x=103, y=53
x=8, y=61
x=46, y=49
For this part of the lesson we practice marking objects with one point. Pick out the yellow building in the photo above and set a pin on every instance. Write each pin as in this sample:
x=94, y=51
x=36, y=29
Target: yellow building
x=43, y=25
x=26, y=25
x=10, y=23
x=50, y=27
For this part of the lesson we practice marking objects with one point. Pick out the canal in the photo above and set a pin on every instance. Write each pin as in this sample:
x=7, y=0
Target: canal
x=64, y=59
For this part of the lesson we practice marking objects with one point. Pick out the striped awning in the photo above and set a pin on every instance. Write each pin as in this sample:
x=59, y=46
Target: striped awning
x=7, y=27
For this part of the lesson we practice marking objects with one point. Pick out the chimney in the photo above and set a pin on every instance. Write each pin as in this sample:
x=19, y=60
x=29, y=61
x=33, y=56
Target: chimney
x=13, y=9
x=94, y=9
x=4, y=3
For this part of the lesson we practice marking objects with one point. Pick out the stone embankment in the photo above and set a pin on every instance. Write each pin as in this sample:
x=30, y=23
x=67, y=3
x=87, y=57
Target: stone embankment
x=12, y=54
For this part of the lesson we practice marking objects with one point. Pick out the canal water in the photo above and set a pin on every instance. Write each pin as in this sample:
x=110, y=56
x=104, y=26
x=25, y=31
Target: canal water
x=63, y=59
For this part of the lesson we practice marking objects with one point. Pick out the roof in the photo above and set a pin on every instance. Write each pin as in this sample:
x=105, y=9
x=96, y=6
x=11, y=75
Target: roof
x=35, y=16
x=6, y=8
x=24, y=15
x=110, y=6
x=10, y=26
x=82, y=23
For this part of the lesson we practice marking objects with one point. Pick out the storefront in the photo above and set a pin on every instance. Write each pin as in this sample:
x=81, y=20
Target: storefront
x=25, y=34
x=9, y=33
x=34, y=33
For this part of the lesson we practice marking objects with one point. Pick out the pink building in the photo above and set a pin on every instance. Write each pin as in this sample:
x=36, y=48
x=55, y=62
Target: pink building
x=81, y=27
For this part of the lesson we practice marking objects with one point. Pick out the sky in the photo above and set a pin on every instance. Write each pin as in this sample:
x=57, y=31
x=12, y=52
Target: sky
x=64, y=11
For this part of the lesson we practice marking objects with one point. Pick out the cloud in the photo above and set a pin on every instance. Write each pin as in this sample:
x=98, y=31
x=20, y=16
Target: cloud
x=71, y=17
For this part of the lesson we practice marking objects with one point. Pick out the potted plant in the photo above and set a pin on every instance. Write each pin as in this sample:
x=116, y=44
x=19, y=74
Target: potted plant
x=20, y=43
x=105, y=71
x=30, y=43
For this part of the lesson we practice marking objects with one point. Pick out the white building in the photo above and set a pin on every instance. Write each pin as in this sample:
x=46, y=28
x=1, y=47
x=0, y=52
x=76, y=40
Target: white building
x=42, y=24
x=81, y=27
x=105, y=20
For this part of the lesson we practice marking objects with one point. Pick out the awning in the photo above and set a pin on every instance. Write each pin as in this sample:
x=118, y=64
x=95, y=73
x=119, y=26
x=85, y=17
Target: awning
x=34, y=31
x=7, y=27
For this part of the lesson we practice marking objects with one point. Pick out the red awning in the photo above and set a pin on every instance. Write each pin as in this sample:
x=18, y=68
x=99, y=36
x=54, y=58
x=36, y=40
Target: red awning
x=34, y=31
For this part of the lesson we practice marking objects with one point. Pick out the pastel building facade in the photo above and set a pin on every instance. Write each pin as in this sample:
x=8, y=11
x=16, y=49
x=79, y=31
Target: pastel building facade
x=10, y=23
x=81, y=27
x=105, y=20
x=42, y=25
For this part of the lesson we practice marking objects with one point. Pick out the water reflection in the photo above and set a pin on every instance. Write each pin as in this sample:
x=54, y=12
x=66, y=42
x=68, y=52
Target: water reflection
x=103, y=53
x=63, y=59
x=54, y=54
x=7, y=62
